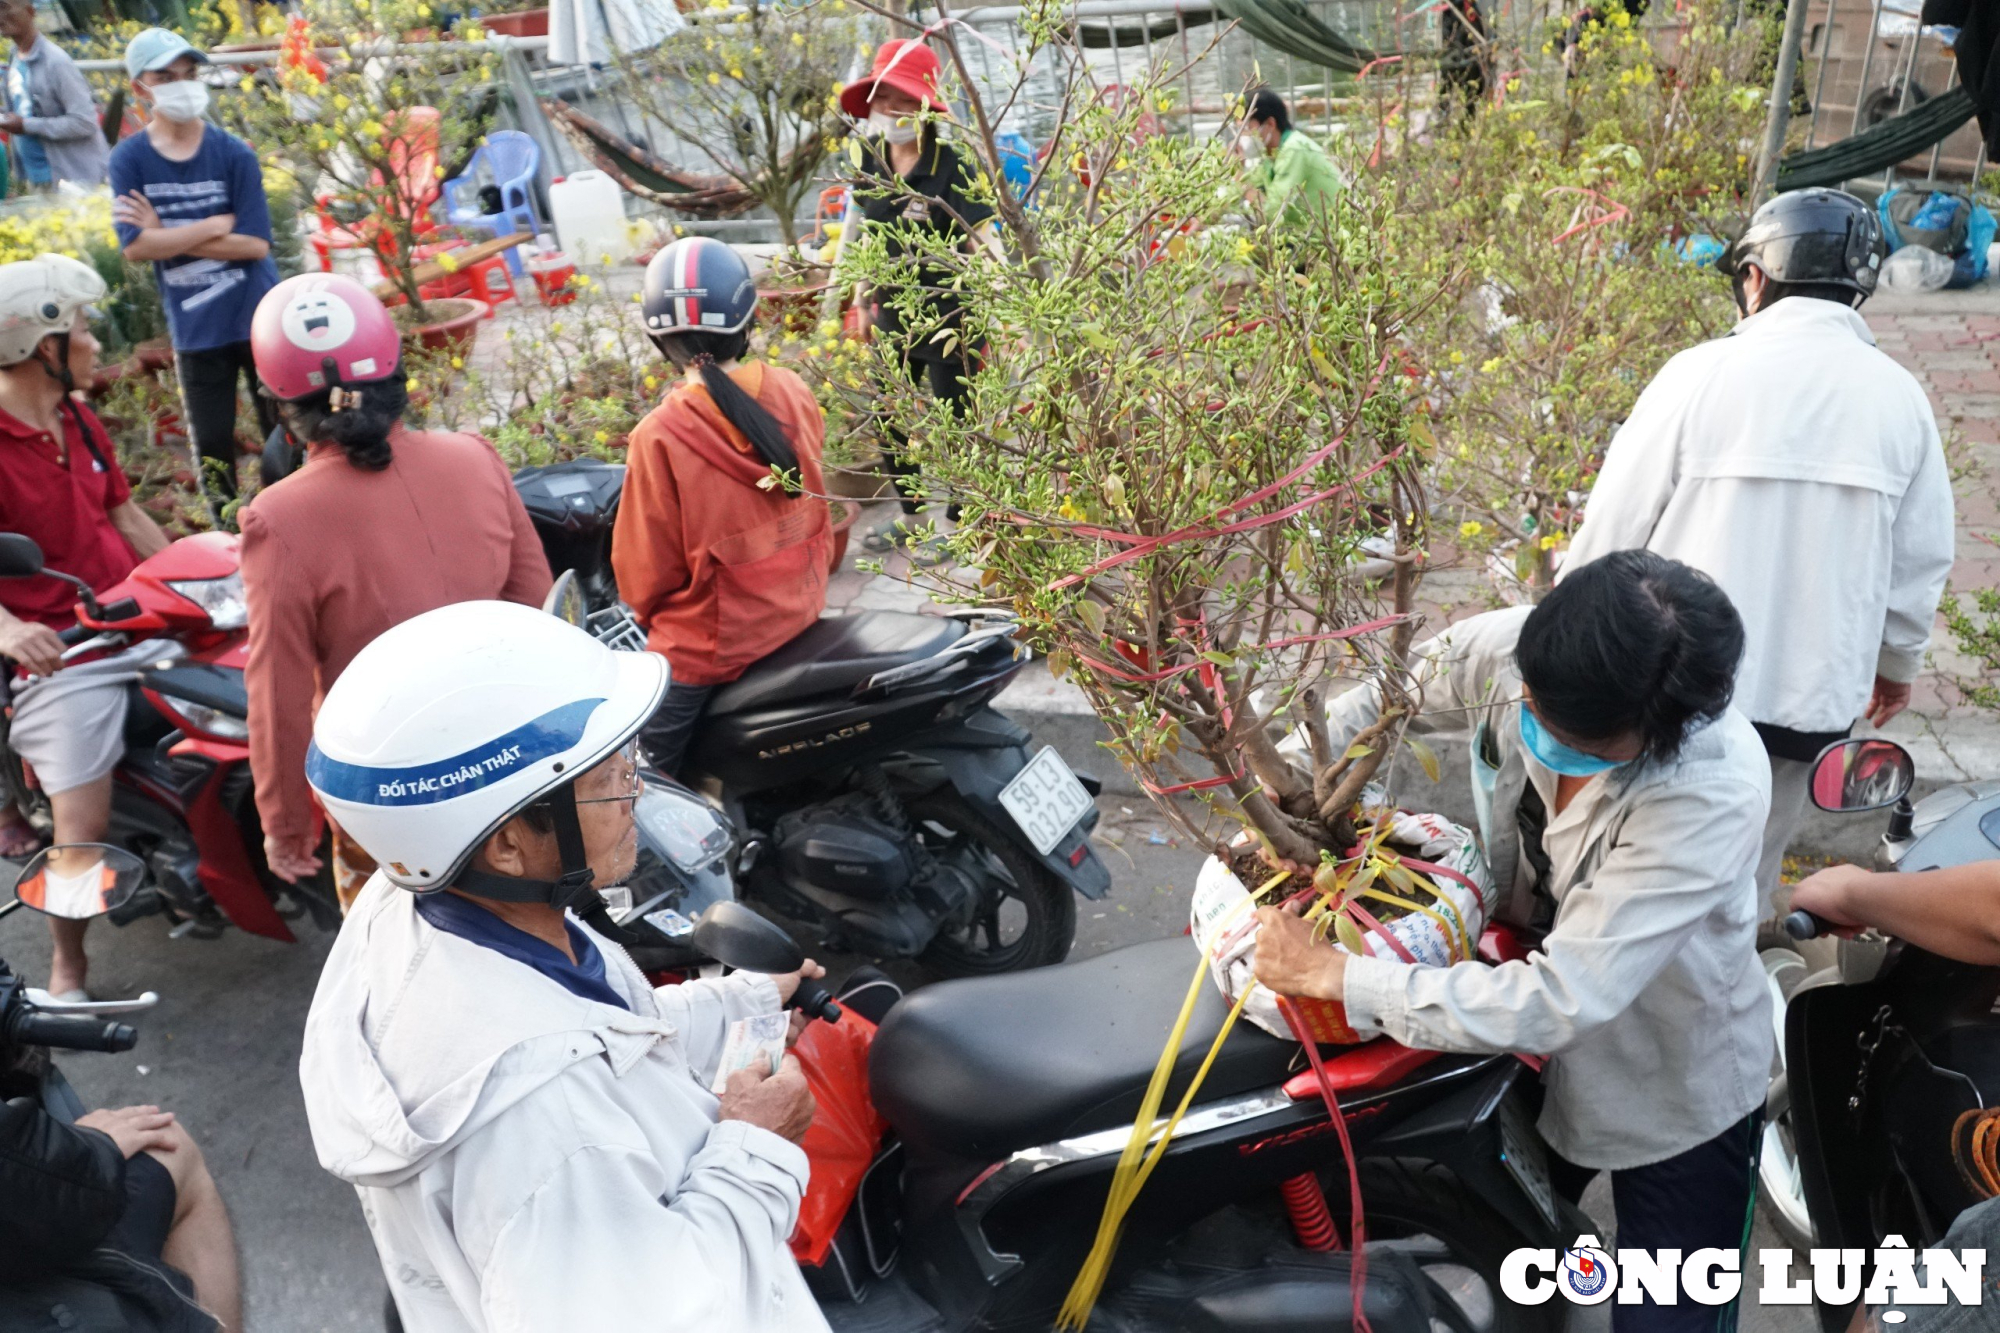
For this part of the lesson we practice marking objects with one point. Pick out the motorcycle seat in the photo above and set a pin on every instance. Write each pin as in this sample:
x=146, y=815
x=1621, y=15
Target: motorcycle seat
x=835, y=654
x=985, y=1067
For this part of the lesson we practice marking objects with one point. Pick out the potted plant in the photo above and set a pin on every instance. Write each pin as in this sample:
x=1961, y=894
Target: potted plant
x=1179, y=472
x=371, y=133
x=754, y=95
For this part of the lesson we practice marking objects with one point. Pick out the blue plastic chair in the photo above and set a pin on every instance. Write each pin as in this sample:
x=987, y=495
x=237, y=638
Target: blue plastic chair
x=509, y=160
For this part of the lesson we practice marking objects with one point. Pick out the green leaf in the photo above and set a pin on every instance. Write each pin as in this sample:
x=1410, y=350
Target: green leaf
x=1357, y=751
x=1349, y=935
x=1091, y=614
x=1426, y=757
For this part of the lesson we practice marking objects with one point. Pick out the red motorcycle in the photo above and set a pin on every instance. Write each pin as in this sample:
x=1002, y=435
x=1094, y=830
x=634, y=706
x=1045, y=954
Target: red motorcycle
x=182, y=797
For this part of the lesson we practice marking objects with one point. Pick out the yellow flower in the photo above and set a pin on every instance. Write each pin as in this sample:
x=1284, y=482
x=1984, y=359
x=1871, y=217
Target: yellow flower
x=458, y=363
x=1470, y=529
x=1457, y=356
x=1549, y=541
x=736, y=74
x=410, y=384
x=246, y=83
x=798, y=39
x=714, y=78
x=651, y=383
x=604, y=437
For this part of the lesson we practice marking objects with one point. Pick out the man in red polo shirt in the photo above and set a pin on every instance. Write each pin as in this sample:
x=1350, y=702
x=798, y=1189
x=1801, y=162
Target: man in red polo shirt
x=61, y=485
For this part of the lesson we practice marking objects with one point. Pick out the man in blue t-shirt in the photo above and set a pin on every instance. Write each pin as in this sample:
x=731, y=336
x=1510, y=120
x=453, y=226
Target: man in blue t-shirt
x=190, y=197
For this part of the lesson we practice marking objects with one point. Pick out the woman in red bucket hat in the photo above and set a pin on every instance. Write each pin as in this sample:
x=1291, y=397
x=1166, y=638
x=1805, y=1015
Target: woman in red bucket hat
x=911, y=179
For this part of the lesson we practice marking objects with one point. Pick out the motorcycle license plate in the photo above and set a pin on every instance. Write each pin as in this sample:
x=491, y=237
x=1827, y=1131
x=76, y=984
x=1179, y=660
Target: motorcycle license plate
x=1046, y=800
x=1522, y=1154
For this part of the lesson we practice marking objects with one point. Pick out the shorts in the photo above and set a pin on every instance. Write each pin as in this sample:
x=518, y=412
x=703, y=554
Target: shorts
x=70, y=727
x=150, y=1200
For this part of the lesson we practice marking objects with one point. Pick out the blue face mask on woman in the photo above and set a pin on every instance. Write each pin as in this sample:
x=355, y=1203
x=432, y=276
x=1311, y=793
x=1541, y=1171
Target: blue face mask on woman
x=1553, y=755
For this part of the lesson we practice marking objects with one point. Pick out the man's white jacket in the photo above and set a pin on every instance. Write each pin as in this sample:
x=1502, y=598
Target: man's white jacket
x=1800, y=467
x=532, y=1161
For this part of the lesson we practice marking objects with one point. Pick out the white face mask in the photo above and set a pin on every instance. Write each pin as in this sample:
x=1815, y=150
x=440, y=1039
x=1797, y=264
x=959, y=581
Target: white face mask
x=184, y=99
x=1249, y=145
x=896, y=129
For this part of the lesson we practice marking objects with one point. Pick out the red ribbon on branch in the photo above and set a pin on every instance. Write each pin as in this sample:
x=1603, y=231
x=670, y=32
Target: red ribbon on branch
x=1103, y=668
x=1616, y=212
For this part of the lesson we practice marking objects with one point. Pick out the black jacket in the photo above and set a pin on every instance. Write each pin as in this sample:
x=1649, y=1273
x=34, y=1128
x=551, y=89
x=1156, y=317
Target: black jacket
x=62, y=1189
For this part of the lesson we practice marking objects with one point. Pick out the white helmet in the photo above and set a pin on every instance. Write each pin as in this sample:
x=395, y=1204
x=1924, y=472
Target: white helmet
x=41, y=296
x=454, y=721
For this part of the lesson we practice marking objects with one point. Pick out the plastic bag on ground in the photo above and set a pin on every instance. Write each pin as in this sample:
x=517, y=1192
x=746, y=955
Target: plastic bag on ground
x=1458, y=898
x=1917, y=269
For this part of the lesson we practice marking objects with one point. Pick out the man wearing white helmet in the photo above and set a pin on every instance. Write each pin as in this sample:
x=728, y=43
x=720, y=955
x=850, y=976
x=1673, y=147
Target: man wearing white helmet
x=60, y=484
x=527, y=1121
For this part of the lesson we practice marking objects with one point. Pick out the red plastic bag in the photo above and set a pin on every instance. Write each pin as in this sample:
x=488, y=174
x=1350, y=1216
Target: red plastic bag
x=845, y=1132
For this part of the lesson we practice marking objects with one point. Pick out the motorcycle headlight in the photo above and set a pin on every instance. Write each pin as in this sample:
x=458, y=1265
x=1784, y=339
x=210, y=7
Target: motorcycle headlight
x=212, y=721
x=222, y=598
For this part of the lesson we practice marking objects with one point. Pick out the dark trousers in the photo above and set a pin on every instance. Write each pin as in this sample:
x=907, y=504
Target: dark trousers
x=947, y=380
x=665, y=737
x=1702, y=1198
x=208, y=388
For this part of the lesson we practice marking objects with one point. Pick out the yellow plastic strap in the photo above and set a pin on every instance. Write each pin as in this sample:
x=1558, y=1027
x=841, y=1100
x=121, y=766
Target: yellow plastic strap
x=1454, y=931
x=1135, y=1163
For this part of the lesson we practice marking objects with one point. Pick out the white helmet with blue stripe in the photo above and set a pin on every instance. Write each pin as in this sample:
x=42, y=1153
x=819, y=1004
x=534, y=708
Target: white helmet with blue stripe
x=451, y=723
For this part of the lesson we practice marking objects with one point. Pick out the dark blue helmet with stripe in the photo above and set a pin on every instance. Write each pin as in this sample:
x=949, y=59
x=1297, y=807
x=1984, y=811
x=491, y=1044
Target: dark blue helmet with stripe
x=698, y=285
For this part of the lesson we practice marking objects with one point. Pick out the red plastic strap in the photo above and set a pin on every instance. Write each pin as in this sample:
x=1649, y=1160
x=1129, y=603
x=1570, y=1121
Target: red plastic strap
x=1357, y=1232
x=1431, y=868
x=1362, y=916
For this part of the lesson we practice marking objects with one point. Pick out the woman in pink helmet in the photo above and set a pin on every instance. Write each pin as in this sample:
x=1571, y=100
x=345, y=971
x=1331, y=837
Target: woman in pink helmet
x=379, y=525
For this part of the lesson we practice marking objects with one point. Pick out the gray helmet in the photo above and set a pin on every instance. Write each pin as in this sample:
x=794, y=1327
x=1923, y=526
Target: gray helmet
x=41, y=296
x=1819, y=235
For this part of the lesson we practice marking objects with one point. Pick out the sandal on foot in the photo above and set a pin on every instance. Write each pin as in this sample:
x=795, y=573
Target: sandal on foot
x=19, y=841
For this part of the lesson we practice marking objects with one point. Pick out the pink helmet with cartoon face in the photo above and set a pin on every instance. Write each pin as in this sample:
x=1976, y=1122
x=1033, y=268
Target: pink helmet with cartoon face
x=319, y=330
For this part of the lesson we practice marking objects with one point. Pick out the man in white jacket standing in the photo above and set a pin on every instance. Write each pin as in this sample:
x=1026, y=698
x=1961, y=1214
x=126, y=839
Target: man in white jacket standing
x=529, y=1124
x=1799, y=467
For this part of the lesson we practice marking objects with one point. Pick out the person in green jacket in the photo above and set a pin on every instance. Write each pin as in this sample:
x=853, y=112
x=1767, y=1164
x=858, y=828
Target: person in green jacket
x=1294, y=173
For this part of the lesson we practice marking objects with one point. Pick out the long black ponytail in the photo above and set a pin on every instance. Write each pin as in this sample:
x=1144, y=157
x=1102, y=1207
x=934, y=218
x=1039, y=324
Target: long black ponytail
x=707, y=352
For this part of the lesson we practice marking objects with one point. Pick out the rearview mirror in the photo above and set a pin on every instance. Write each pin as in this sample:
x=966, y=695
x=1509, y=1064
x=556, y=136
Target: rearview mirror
x=20, y=558
x=1855, y=775
x=79, y=880
x=737, y=937
x=565, y=600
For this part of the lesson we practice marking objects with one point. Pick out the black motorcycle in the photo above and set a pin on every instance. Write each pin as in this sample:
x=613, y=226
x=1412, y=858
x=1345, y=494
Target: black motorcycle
x=874, y=791
x=1010, y=1098
x=1886, y=1049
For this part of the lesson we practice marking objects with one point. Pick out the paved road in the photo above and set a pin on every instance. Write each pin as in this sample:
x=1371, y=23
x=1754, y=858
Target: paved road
x=221, y=1051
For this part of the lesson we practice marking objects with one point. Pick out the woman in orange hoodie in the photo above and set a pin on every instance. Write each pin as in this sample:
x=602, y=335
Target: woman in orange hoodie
x=723, y=537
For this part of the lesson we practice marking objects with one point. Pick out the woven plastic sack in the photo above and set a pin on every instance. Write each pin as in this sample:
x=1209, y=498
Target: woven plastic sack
x=1459, y=895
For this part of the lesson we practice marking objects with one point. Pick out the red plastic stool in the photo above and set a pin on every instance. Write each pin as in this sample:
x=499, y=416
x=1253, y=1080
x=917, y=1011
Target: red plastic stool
x=488, y=279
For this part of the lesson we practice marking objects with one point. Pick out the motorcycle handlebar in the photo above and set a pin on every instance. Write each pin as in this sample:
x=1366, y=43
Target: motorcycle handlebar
x=76, y=634
x=72, y=1033
x=812, y=1000
x=1803, y=925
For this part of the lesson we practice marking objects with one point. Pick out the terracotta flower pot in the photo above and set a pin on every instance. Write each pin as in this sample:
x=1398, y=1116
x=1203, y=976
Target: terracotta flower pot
x=154, y=354
x=795, y=309
x=522, y=23
x=844, y=517
x=453, y=324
